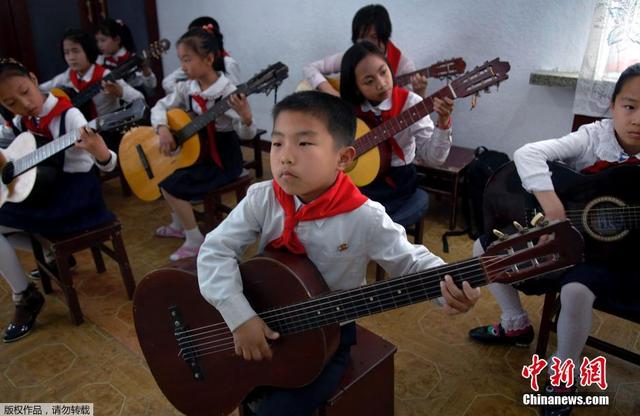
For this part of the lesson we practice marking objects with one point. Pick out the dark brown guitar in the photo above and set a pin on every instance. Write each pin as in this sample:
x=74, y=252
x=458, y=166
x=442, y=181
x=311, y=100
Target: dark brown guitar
x=190, y=349
x=605, y=206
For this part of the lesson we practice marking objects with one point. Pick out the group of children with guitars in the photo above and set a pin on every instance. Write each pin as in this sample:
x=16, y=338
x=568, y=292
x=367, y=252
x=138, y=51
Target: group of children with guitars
x=311, y=207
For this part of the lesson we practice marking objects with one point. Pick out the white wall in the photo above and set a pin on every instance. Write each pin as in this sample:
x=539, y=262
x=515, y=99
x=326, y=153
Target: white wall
x=540, y=34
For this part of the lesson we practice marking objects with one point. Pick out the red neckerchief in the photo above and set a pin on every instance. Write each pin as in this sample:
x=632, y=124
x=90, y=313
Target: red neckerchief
x=601, y=165
x=211, y=131
x=393, y=56
x=343, y=196
x=98, y=73
x=79, y=84
x=41, y=128
x=224, y=53
x=398, y=100
x=113, y=62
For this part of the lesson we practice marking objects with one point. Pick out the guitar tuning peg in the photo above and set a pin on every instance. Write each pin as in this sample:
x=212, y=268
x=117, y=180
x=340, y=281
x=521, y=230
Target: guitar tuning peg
x=519, y=227
x=538, y=220
x=501, y=236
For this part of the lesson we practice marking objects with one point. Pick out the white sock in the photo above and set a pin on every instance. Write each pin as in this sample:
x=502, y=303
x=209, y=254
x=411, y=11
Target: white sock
x=574, y=322
x=513, y=316
x=194, y=237
x=10, y=267
x=176, y=224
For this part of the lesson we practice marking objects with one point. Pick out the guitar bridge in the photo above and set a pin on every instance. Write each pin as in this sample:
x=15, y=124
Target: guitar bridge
x=188, y=351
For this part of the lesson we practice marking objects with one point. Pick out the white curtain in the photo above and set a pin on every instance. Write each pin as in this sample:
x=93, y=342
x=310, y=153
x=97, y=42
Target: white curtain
x=614, y=44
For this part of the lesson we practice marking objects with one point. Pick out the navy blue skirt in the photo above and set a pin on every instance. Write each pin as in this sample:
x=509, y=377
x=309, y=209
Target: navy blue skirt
x=73, y=203
x=204, y=176
x=394, y=189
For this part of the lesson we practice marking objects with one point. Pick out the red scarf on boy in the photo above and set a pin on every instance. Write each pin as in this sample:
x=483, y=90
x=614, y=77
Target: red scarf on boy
x=343, y=196
x=398, y=100
x=41, y=127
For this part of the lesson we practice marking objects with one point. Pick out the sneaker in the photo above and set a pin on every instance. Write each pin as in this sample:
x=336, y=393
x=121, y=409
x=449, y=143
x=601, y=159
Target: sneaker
x=495, y=334
x=184, y=252
x=24, y=318
x=51, y=265
x=557, y=410
x=167, y=231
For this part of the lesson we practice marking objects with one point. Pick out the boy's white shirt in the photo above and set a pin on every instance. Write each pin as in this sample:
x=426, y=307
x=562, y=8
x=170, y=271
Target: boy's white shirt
x=367, y=233
x=580, y=149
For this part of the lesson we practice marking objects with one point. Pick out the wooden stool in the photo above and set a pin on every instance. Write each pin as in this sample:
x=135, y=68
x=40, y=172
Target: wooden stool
x=367, y=386
x=258, y=146
x=63, y=247
x=214, y=209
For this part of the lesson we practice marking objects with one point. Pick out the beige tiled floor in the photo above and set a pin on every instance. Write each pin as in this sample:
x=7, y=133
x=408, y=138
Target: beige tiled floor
x=438, y=370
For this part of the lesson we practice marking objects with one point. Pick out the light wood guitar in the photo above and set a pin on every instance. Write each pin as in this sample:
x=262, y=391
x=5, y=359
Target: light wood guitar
x=79, y=99
x=190, y=349
x=442, y=69
x=19, y=162
x=373, y=152
x=145, y=166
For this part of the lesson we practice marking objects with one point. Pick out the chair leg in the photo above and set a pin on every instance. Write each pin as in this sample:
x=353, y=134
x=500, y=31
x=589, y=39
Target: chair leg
x=546, y=322
x=123, y=263
x=209, y=212
x=66, y=283
x=124, y=185
x=419, y=230
x=39, y=255
x=97, y=259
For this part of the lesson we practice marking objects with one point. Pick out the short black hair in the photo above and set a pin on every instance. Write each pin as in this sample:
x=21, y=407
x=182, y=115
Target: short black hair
x=631, y=72
x=337, y=115
x=373, y=15
x=349, y=90
x=203, y=42
x=85, y=40
x=116, y=28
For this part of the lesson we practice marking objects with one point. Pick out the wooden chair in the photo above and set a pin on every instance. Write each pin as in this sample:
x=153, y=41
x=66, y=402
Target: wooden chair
x=65, y=246
x=367, y=386
x=549, y=321
x=214, y=208
x=258, y=146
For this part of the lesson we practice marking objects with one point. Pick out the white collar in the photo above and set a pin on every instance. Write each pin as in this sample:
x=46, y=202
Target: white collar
x=121, y=52
x=214, y=90
x=48, y=105
x=383, y=106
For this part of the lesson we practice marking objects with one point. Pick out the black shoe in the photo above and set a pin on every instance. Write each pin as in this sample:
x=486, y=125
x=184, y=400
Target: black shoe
x=27, y=309
x=557, y=410
x=51, y=265
x=495, y=334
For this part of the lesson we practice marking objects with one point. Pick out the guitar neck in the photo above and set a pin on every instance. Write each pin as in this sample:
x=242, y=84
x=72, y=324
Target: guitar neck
x=345, y=306
x=205, y=118
x=405, y=79
x=91, y=91
x=400, y=122
x=44, y=152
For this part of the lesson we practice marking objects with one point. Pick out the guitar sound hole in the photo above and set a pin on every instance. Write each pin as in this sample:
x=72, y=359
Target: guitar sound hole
x=606, y=219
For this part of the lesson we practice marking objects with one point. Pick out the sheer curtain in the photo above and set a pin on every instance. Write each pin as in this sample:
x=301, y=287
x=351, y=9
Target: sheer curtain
x=614, y=44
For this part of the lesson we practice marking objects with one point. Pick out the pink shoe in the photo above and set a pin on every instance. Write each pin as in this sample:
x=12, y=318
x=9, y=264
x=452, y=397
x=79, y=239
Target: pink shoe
x=168, y=231
x=184, y=252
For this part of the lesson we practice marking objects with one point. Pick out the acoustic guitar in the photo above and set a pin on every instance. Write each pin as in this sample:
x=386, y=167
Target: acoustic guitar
x=442, y=69
x=79, y=99
x=17, y=162
x=145, y=166
x=190, y=349
x=604, y=206
x=373, y=152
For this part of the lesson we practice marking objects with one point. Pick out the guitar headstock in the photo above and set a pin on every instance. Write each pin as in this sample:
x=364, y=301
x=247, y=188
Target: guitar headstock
x=123, y=117
x=156, y=49
x=448, y=68
x=267, y=79
x=522, y=255
x=481, y=78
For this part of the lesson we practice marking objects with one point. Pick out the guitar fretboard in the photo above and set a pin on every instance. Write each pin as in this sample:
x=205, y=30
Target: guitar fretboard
x=91, y=91
x=44, y=152
x=371, y=299
x=402, y=121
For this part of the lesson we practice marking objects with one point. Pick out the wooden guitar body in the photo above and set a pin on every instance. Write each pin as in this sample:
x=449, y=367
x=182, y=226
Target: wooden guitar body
x=145, y=166
x=20, y=187
x=221, y=380
x=367, y=167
